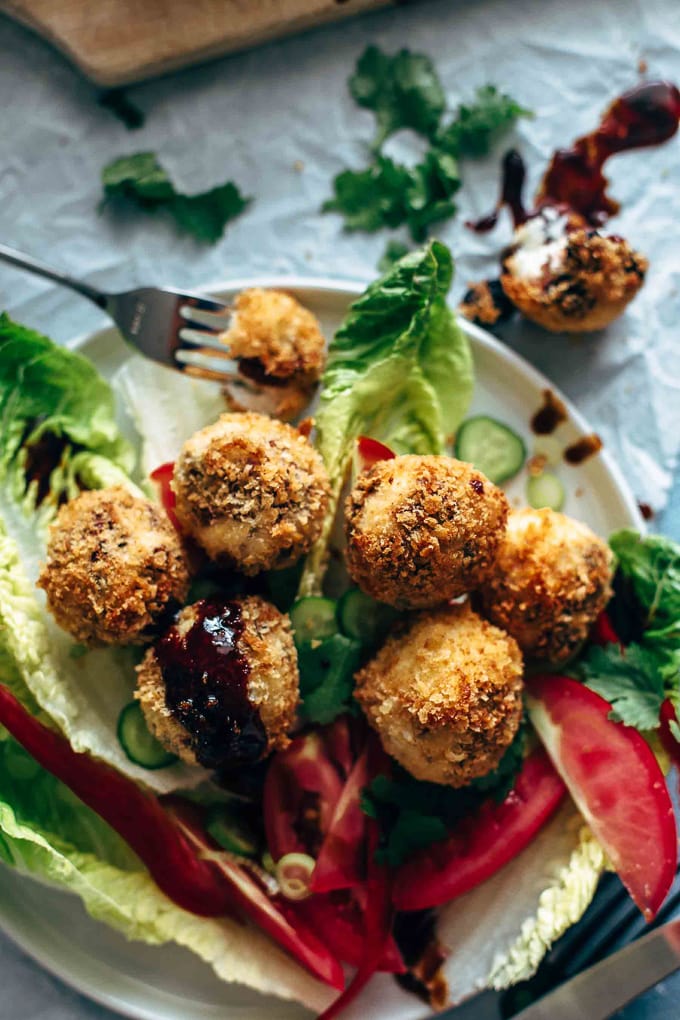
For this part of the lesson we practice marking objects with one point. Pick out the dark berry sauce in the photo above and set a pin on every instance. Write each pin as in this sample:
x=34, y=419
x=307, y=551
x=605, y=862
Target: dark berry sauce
x=582, y=449
x=206, y=684
x=512, y=191
x=549, y=416
x=416, y=936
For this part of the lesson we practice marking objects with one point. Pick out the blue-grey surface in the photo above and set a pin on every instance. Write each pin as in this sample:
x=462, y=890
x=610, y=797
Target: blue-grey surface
x=279, y=122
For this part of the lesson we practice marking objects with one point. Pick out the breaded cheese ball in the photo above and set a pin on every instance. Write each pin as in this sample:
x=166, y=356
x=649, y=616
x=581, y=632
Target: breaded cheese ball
x=221, y=687
x=422, y=530
x=551, y=580
x=251, y=491
x=576, y=282
x=445, y=697
x=114, y=566
x=280, y=347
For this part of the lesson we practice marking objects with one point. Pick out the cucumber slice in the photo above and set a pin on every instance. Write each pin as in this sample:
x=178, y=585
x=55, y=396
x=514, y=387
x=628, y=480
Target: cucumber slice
x=139, y=744
x=313, y=619
x=363, y=618
x=493, y=448
x=231, y=832
x=545, y=490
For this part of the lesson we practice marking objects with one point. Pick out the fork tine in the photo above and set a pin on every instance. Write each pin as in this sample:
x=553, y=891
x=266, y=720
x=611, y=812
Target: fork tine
x=205, y=304
x=202, y=365
x=198, y=337
x=210, y=320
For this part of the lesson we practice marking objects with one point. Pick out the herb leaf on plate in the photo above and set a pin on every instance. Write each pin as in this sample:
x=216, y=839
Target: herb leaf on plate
x=629, y=679
x=399, y=370
x=141, y=179
x=403, y=91
x=477, y=124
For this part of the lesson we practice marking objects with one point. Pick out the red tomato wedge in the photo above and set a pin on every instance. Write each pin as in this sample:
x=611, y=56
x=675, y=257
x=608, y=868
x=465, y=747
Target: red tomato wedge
x=369, y=452
x=162, y=476
x=616, y=782
x=483, y=843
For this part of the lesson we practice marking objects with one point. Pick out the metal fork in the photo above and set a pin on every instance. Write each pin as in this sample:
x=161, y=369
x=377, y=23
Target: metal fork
x=178, y=329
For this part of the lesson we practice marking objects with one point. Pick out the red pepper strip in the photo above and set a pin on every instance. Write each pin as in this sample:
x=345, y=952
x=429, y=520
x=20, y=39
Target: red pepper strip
x=378, y=918
x=136, y=816
x=481, y=844
x=275, y=915
x=369, y=452
x=339, y=864
x=300, y=780
x=339, y=739
x=338, y=919
x=602, y=632
x=163, y=477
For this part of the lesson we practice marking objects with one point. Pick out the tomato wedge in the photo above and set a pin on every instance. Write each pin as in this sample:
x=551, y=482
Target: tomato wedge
x=369, y=452
x=616, y=782
x=483, y=843
x=338, y=920
x=162, y=476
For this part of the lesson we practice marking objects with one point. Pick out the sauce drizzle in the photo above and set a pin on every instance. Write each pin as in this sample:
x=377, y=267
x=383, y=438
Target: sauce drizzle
x=549, y=416
x=582, y=449
x=206, y=685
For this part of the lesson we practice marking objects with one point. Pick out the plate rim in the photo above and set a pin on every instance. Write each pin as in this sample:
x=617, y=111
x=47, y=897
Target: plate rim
x=349, y=288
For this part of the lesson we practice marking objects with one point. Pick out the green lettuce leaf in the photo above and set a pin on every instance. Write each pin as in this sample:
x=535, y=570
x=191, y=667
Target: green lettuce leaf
x=399, y=370
x=141, y=180
x=47, y=833
x=58, y=435
x=651, y=563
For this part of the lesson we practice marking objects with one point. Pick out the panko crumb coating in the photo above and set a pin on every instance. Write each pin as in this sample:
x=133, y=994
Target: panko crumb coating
x=280, y=347
x=422, y=530
x=583, y=284
x=251, y=491
x=114, y=566
x=445, y=696
x=551, y=580
x=273, y=683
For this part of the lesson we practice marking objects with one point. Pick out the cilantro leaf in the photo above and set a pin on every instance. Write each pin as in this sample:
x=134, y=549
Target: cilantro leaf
x=412, y=814
x=478, y=124
x=388, y=194
x=652, y=565
x=631, y=680
x=141, y=179
x=327, y=671
x=403, y=91
x=122, y=107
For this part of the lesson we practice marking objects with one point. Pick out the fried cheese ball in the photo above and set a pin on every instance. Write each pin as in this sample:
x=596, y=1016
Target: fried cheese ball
x=221, y=687
x=445, y=697
x=422, y=530
x=251, y=491
x=570, y=281
x=114, y=566
x=280, y=348
x=551, y=580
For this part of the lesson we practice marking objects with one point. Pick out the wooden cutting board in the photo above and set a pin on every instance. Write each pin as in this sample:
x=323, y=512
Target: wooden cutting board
x=115, y=42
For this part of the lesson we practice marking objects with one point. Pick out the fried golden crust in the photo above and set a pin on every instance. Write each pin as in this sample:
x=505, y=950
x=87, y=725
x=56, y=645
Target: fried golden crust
x=278, y=331
x=445, y=696
x=590, y=288
x=422, y=530
x=551, y=580
x=252, y=491
x=114, y=565
x=273, y=680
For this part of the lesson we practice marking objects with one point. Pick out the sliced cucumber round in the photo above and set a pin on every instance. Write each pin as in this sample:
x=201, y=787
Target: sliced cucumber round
x=363, y=618
x=314, y=619
x=139, y=744
x=231, y=832
x=545, y=491
x=493, y=448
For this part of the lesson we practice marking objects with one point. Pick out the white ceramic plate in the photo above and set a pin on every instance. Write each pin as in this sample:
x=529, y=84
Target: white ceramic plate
x=170, y=983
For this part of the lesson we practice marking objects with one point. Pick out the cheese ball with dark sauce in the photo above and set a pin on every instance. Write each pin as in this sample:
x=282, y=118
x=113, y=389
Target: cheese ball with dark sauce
x=445, y=696
x=550, y=582
x=221, y=687
x=251, y=491
x=115, y=566
x=422, y=530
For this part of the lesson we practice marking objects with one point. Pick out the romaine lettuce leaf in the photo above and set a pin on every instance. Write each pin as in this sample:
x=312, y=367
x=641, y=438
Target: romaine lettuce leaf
x=58, y=434
x=399, y=370
x=47, y=833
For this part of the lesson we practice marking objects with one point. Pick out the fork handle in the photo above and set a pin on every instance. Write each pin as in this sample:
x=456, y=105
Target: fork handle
x=17, y=258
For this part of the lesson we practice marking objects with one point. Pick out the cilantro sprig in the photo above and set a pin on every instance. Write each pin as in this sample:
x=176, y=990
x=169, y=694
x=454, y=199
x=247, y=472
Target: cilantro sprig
x=404, y=91
x=141, y=180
